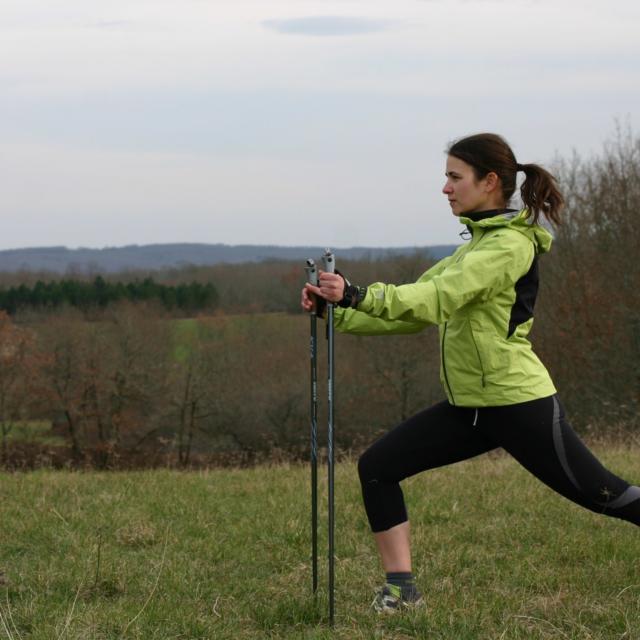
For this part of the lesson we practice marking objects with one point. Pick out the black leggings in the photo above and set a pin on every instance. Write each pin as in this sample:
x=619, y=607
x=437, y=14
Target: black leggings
x=535, y=433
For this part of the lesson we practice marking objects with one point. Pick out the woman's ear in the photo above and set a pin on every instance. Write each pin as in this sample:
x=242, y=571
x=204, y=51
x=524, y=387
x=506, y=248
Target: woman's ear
x=492, y=181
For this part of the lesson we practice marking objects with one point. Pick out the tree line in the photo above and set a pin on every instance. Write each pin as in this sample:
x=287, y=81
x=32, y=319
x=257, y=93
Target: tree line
x=99, y=293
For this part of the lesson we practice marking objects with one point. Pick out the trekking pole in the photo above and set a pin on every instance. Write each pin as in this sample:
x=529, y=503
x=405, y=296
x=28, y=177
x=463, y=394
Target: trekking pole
x=330, y=267
x=312, y=277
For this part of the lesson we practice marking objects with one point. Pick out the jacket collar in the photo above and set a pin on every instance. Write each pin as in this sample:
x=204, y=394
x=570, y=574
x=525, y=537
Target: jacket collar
x=517, y=220
x=476, y=216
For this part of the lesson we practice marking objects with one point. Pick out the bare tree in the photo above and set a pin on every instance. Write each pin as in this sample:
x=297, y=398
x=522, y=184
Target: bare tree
x=18, y=366
x=590, y=314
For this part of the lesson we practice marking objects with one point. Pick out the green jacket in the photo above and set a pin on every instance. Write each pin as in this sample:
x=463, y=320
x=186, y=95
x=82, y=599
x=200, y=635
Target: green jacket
x=481, y=297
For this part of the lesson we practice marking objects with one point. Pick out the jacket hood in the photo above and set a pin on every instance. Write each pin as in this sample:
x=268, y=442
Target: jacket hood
x=540, y=237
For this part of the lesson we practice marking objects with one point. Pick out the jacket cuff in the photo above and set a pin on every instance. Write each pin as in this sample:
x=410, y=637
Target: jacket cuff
x=366, y=304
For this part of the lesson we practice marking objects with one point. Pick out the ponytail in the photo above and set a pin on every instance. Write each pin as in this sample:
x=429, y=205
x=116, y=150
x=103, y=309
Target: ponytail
x=540, y=194
x=488, y=152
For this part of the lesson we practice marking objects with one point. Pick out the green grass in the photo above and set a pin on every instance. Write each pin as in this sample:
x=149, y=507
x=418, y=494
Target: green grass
x=187, y=330
x=33, y=431
x=225, y=554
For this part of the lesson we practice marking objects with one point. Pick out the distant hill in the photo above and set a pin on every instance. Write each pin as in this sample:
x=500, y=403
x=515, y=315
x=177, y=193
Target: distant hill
x=162, y=256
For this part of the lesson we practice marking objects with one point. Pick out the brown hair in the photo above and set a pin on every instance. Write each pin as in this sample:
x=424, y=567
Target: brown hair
x=487, y=152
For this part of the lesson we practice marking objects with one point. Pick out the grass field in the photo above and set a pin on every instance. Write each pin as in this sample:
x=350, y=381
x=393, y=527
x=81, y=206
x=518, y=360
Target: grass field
x=225, y=554
x=34, y=431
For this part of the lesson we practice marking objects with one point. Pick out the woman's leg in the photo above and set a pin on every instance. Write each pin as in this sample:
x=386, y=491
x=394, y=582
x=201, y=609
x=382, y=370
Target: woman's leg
x=394, y=547
x=438, y=436
x=538, y=436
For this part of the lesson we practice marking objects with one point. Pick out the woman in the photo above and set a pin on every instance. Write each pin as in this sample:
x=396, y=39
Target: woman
x=498, y=393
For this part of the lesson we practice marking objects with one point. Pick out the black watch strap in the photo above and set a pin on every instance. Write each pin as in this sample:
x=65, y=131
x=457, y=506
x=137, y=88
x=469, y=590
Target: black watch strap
x=352, y=296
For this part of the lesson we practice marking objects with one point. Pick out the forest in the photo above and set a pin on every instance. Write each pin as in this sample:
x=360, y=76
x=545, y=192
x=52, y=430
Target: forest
x=209, y=365
x=98, y=294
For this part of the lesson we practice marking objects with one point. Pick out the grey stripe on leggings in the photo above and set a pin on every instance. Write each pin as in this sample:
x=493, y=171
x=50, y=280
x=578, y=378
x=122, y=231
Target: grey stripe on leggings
x=625, y=498
x=559, y=444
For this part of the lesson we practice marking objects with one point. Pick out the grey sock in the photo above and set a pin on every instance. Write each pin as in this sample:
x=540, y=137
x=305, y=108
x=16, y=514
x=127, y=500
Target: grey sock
x=407, y=583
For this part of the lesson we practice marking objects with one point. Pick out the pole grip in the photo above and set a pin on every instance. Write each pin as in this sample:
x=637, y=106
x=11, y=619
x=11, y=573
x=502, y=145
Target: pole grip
x=329, y=261
x=312, y=272
x=312, y=278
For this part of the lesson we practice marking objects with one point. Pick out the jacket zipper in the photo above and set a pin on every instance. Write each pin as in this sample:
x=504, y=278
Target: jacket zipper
x=444, y=366
x=444, y=333
x=475, y=344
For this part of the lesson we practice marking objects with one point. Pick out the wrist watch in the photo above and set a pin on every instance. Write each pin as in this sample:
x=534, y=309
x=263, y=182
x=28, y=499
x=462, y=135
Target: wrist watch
x=352, y=295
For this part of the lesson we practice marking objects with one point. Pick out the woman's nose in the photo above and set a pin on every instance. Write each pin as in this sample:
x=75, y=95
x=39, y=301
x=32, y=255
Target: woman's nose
x=446, y=188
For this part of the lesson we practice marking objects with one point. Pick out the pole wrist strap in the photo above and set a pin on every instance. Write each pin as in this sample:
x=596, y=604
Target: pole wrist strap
x=352, y=294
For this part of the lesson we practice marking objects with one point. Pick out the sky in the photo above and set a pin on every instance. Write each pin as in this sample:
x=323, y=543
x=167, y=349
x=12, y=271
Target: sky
x=288, y=122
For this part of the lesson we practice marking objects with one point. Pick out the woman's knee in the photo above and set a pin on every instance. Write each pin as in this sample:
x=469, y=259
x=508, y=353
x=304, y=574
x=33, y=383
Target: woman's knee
x=374, y=466
x=367, y=466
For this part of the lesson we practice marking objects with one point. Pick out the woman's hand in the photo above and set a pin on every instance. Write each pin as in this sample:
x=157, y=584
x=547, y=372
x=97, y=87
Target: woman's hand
x=331, y=289
x=307, y=301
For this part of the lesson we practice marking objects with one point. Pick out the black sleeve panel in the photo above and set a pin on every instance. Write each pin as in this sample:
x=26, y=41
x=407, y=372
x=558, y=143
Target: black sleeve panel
x=526, y=293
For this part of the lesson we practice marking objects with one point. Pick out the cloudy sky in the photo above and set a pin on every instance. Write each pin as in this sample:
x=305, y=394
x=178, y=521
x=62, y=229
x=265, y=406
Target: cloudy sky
x=288, y=121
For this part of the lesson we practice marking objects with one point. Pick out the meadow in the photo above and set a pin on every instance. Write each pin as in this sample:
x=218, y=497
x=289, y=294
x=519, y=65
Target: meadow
x=224, y=553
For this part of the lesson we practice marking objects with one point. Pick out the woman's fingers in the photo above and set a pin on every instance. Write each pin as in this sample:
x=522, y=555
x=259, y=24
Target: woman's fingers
x=309, y=288
x=307, y=302
x=331, y=288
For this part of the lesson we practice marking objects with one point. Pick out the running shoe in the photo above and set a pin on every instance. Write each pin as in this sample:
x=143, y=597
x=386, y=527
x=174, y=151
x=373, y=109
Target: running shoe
x=389, y=599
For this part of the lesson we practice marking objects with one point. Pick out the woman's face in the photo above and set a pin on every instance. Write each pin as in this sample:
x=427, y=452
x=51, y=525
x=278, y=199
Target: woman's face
x=467, y=194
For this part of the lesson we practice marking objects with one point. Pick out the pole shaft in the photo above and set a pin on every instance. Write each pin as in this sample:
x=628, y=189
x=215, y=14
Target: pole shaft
x=330, y=463
x=314, y=451
x=312, y=277
x=330, y=267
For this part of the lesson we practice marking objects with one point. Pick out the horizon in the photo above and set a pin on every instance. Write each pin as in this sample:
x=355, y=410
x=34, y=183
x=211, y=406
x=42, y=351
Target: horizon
x=225, y=244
